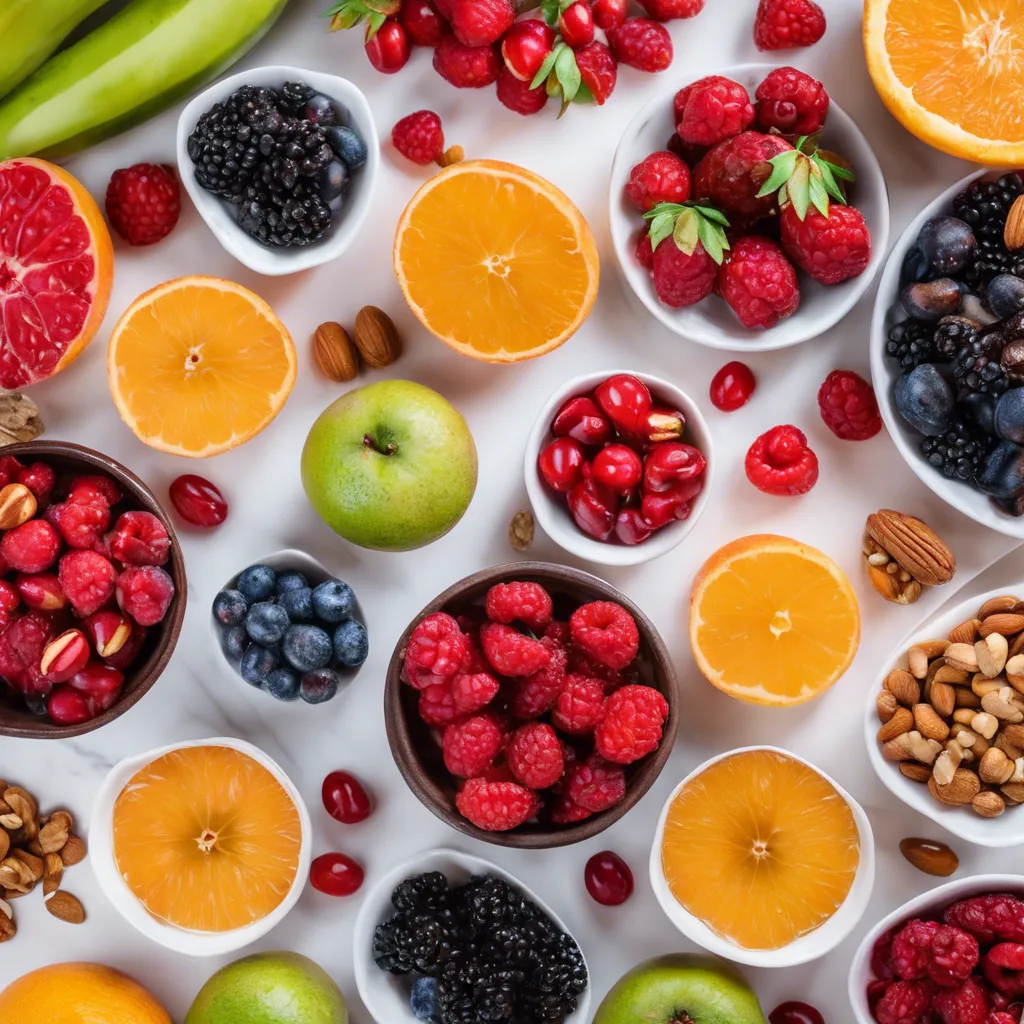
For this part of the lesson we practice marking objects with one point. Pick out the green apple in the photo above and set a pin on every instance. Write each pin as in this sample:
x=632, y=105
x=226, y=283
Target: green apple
x=269, y=988
x=678, y=989
x=390, y=466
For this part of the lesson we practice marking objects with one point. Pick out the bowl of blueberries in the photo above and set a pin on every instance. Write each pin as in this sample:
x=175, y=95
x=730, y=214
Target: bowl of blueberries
x=287, y=627
x=281, y=163
x=947, y=348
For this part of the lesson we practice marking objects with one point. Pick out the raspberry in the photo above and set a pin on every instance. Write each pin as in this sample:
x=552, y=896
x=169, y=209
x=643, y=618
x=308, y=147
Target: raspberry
x=522, y=601
x=535, y=755
x=661, y=177
x=712, y=109
x=437, y=705
x=606, y=631
x=564, y=812
x=731, y=174
x=470, y=746
x=21, y=649
x=904, y=1002
x=967, y=1004
x=31, y=547
x=758, y=282
x=473, y=692
x=537, y=693
x=954, y=955
x=87, y=579
x=496, y=806
x=466, y=67
x=848, y=406
x=783, y=24
x=881, y=956
x=438, y=645
x=595, y=784
x=39, y=478
x=583, y=664
x=791, y=102
x=644, y=253
x=642, y=44
x=419, y=137
x=579, y=706
x=1001, y=1017
x=81, y=525
x=143, y=202
x=910, y=946
x=518, y=96
x=779, y=462
x=558, y=632
x=682, y=279
x=668, y=10
x=988, y=918
x=420, y=678
x=94, y=490
x=598, y=70
x=632, y=725
x=139, y=538
x=830, y=249
x=481, y=22
x=512, y=653
x=1003, y=966
x=143, y=591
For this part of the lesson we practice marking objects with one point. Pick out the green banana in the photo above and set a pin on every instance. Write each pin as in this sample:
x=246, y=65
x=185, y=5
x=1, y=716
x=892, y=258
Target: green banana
x=147, y=55
x=31, y=30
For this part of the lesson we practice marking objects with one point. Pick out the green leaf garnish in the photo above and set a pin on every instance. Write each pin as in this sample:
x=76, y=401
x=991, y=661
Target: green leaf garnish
x=545, y=69
x=550, y=10
x=688, y=224
x=782, y=167
x=568, y=73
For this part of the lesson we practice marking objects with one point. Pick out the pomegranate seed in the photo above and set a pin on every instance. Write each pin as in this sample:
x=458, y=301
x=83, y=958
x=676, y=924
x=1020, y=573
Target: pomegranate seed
x=561, y=464
x=344, y=798
x=335, y=874
x=795, y=1013
x=608, y=879
x=732, y=386
x=198, y=501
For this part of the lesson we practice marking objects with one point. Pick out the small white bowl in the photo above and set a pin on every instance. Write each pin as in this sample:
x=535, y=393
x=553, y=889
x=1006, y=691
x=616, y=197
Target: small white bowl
x=220, y=214
x=551, y=509
x=712, y=322
x=884, y=374
x=184, y=940
x=802, y=950
x=387, y=995
x=928, y=905
x=1008, y=828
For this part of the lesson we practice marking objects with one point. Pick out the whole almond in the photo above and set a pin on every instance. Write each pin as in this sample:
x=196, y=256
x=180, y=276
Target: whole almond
x=965, y=633
x=954, y=676
x=17, y=506
x=962, y=656
x=1014, y=734
x=73, y=851
x=966, y=698
x=65, y=907
x=929, y=724
x=1013, y=229
x=376, y=337
x=1003, y=603
x=53, y=871
x=1007, y=623
x=964, y=787
x=335, y=354
x=5, y=839
x=904, y=687
x=901, y=722
x=915, y=771
x=52, y=836
x=1013, y=792
x=988, y=804
x=943, y=698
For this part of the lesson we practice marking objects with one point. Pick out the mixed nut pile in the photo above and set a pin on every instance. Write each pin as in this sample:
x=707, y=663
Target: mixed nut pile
x=904, y=555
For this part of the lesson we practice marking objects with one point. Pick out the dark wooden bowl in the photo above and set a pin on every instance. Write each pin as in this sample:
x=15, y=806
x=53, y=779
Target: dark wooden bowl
x=418, y=755
x=73, y=460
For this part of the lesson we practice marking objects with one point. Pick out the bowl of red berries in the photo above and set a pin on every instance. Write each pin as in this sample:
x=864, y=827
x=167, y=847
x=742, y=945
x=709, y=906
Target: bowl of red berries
x=530, y=705
x=92, y=590
x=747, y=209
x=618, y=467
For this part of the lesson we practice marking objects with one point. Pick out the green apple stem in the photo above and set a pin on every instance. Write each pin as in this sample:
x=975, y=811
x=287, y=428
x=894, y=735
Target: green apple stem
x=389, y=449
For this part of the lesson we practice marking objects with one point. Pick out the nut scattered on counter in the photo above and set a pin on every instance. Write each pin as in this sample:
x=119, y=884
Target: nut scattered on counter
x=335, y=354
x=930, y=856
x=376, y=337
x=520, y=530
x=904, y=555
x=19, y=418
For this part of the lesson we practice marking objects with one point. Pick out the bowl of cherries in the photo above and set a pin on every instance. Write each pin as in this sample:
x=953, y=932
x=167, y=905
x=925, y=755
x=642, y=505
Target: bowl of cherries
x=618, y=467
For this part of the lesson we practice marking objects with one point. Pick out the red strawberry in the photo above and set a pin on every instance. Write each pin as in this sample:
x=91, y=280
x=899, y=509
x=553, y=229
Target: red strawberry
x=758, y=282
x=712, y=109
x=517, y=95
x=830, y=247
x=732, y=173
x=689, y=243
x=598, y=70
x=466, y=67
x=481, y=22
x=642, y=44
x=661, y=177
x=783, y=24
x=667, y=10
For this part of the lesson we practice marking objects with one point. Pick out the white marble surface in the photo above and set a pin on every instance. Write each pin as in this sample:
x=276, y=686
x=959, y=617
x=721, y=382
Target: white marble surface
x=197, y=698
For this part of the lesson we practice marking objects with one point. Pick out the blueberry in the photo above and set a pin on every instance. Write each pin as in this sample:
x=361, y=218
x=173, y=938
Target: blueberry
x=925, y=399
x=915, y=266
x=319, y=685
x=234, y=641
x=291, y=581
x=1014, y=506
x=931, y=300
x=1002, y=473
x=331, y=181
x=283, y=684
x=320, y=110
x=257, y=664
x=266, y=623
x=351, y=644
x=348, y=145
x=229, y=607
x=947, y=243
x=1005, y=295
x=306, y=647
x=333, y=601
x=257, y=582
x=36, y=704
x=982, y=409
x=1009, y=418
x=423, y=999
x=298, y=604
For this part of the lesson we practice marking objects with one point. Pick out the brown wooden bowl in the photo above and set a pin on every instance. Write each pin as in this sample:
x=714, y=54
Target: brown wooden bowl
x=418, y=755
x=69, y=459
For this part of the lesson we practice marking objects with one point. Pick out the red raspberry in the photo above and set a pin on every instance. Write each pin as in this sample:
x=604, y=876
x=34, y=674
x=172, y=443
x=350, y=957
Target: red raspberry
x=881, y=956
x=598, y=70
x=595, y=784
x=830, y=249
x=520, y=601
x=473, y=692
x=143, y=591
x=758, y=282
x=583, y=664
x=512, y=653
x=31, y=547
x=1004, y=968
x=668, y=10
x=1001, y=1017
x=580, y=705
x=10, y=597
x=10, y=468
x=88, y=579
x=564, y=812
x=682, y=279
x=632, y=726
x=471, y=745
x=518, y=96
x=791, y=102
x=784, y=24
x=422, y=22
x=419, y=137
x=466, y=67
x=989, y=918
x=143, y=203
x=481, y=22
x=904, y=1002
x=21, y=649
x=661, y=177
x=537, y=693
x=94, y=490
x=732, y=173
x=967, y=1004
x=496, y=806
x=558, y=632
x=139, y=538
x=420, y=678
x=953, y=956
x=606, y=631
x=779, y=462
x=644, y=252
x=712, y=109
x=535, y=756
x=81, y=525
x=39, y=478
x=437, y=705
x=848, y=406
x=438, y=645
x=642, y=44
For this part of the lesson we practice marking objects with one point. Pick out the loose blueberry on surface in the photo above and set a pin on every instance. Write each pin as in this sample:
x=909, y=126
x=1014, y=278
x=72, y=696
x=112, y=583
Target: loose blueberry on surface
x=423, y=999
x=319, y=686
x=947, y=243
x=266, y=623
x=1009, y=417
x=298, y=604
x=257, y=583
x=333, y=601
x=331, y=181
x=344, y=798
x=234, y=641
x=1002, y=473
x=932, y=300
x=291, y=581
x=351, y=644
x=348, y=145
x=335, y=874
x=925, y=399
x=1005, y=295
x=320, y=110
x=229, y=607
x=283, y=684
x=257, y=663
x=306, y=647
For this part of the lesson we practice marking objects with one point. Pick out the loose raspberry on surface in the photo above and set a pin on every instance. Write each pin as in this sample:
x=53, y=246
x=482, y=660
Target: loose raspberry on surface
x=143, y=202
x=438, y=645
x=471, y=692
x=830, y=248
x=758, y=282
x=605, y=631
x=510, y=652
x=532, y=695
x=785, y=24
x=518, y=96
x=520, y=601
x=731, y=174
x=471, y=745
x=466, y=67
x=481, y=22
x=642, y=44
x=143, y=591
x=598, y=70
x=633, y=723
x=904, y=1002
x=88, y=580
x=997, y=916
x=848, y=406
x=595, y=784
x=437, y=705
x=31, y=547
x=535, y=755
x=967, y=1004
x=780, y=462
x=496, y=806
x=661, y=177
x=580, y=705
x=139, y=538
x=712, y=109
x=419, y=137
x=669, y=10
x=791, y=102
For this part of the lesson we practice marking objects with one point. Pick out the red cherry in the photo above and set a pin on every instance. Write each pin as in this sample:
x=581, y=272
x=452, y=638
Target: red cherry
x=594, y=508
x=631, y=527
x=524, y=47
x=39, y=478
x=580, y=419
x=674, y=504
x=69, y=707
x=335, y=874
x=561, y=464
x=608, y=879
x=41, y=590
x=345, y=799
x=389, y=49
x=576, y=23
x=795, y=1013
x=9, y=597
x=617, y=467
x=626, y=402
x=198, y=501
x=732, y=386
x=97, y=681
x=422, y=22
x=609, y=14
x=669, y=463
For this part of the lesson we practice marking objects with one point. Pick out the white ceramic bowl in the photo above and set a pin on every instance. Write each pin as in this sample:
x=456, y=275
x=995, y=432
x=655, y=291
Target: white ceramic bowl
x=183, y=940
x=802, y=950
x=550, y=508
x=220, y=215
x=387, y=995
x=928, y=904
x=712, y=322
x=1008, y=828
x=884, y=373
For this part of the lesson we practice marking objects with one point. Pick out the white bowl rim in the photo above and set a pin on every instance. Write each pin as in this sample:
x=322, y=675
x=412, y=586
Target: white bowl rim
x=807, y=947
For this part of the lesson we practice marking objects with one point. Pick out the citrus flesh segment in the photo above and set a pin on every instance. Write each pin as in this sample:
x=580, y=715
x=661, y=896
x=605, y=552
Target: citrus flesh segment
x=496, y=261
x=206, y=838
x=773, y=621
x=761, y=848
x=198, y=365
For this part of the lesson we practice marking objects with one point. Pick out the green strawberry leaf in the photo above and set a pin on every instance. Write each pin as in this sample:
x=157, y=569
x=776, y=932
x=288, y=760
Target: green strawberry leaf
x=550, y=9
x=374, y=24
x=828, y=180
x=584, y=95
x=663, y=221
x=712, y=237
x=568, y=74
x=818, y=194
x=799, y=188
x=783, y=165
x=712, y=214
x=545, y=69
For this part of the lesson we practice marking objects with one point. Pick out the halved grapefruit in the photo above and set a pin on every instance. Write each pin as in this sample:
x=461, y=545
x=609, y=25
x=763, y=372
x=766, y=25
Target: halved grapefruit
x=56, y=270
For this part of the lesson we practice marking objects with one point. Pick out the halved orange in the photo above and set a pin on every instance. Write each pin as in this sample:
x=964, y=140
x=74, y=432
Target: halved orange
x=949, y=71
x=198, y=365
x=496, y=261
x=773, y=621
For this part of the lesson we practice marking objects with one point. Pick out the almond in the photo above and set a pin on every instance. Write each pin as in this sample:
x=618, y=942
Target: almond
x=1013, y=229
x=963, y=788
x=991, y=654
x=904, y=687
x=962, y=656
x=995, y=767
x=901, y=722
x=988, y=804
x=376, y=337
x=913, y=545
x=1013, y=792
x=915, y=771
x=65, y=907
x=953, y=676
x=886, y=705
x=1007, y=623
x=17, y=506
x=929, y=724
x=73, y=851
x=335, y=354
x=53, y=871
x=1003, y=603
x=53, y=835
x=942, y=697
x=966, y=698
x=965, y=633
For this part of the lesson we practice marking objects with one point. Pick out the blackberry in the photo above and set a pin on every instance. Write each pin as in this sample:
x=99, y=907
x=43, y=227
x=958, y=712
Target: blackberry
x=422, y=892
x=302, y=144
x=281, y=216
x=977, y=369
x=951, y=335
x=294, y=97
x=420, y=943
x=910, y=343
x=958, y=453
x=984, y=205
x=495, y=991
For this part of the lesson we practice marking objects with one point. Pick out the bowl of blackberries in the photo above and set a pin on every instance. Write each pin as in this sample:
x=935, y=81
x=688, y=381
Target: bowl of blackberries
x=947, y=352
x=290, y=629
x=281, y=163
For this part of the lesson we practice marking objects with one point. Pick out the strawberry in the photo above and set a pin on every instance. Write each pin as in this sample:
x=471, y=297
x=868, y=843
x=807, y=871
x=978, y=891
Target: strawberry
x=598, y=70
x=758, y=282
x=466, y=67
x=642, y=44
x=731, y=174
x=689, y=244
x=783, y=24
x=667, y=10
x=481, y=22
x=517, y=95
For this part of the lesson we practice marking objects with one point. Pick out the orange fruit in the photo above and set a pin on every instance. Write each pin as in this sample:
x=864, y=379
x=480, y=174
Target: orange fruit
x=496, y=261
x=199, y=365
x=56, y=270
x=949, y=71
x=206, y=838
x=761, y=848
x=772, y=621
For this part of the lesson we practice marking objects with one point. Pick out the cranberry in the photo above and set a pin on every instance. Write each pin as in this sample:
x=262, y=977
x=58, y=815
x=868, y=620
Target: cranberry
x=39, y=478
x=617, y=466
x=335, y=874
x=129, y=650
x=594, y=508
x=198, y=501
x=580, y=419
x=561, y=464
x=9, y=599
x=662, y=508
x=608, y=879
x=100, y=682
x=144, y=592
x=81, y=524
x=108, y=630
x=69, y=707
x=795, y=1013
x=732, y=386
x=422, y=22
x=41, y=591
x=631, y=527
x=388, y=50
x=669, y=463
x=345, y=799
x=87, y=578
x=139, y=538
x=92, y=490
x=10, y=468
x=576, y=23
x=627, y=403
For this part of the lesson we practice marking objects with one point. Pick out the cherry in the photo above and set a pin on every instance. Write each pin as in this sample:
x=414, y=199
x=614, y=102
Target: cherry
x=580, y=419
x=344, y=798
x=389, y=49
x=576, y=23
x=31, y=547
x=732, y=386
x=561, y=464
x=69, y=707
x=608, y=879
x=97, y=681
x=198, y=501
x=627, y=403
x=41, y=591
x=795, y=1013
x=676, y=503
x=669, y=463
x=609, y=14
x=335, y=874
x=631, y=527
x=422, y=22
x=524, y=47
x=9, y=597
x=618, y=467
x=594, y=508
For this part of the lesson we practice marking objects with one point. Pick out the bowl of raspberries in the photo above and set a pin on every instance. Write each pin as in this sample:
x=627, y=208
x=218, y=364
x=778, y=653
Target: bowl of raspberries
x=530, y=705
x=92, y=590
x=747, y=209
x=955, y=953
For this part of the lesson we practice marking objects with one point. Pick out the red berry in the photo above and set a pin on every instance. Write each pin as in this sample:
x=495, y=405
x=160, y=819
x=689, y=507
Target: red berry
x=419, y=137
x=784, y=24
x=466, y=67
x=65, y=656
x=69, y=707
x=618, y=468
x=41, y=591
x=1003, y=966
x=608, y=879
x=670, y=463
x=631, y=527
x=605, y=631
x=576, y=24
x=595, y=784
x=848, y=406
x=471, y=745
x=109, y=631
x=511, y=652
x=518, y=96
x=481, y=22
x=496, y=806
x=534, y=694
x=661, y=508
x=94, y=490
x=198, y=501
x=991, y=918
x=564, y=812
x=626, y=401
x=10, y=469
x=31, y=547
x=344, y=798
x=642, y=44
x=10, y=597
x=779, y=462
x=793, y=1012
x=580, y=419
x=593, y=508
x=473, y=691
x=598, y=70
x=143, y=202
x=632, y=725
x=520, y=601
x=126, y=655
x=609, y=14
x=438, y=645
x=712, y=109
x=680, y=278
x=101, y=683
x=732, y=386
x=1002, y=1017
x=422, y=22
x=731, y=174
x=437, y=706
x=561, y=464
x=535, y=755
x=830, y=249
x=525, y=46
x=644, y=253
x=335, y=874
x=926, y=949
x=81, y=525
x=389, y=48
x=661, y=177
x=579, y=706
x=967, y=1004
x=139, y=538
x=758, y=282
x=39, y=478
x=791, y=102
x=88, y=579
x=144, y=592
